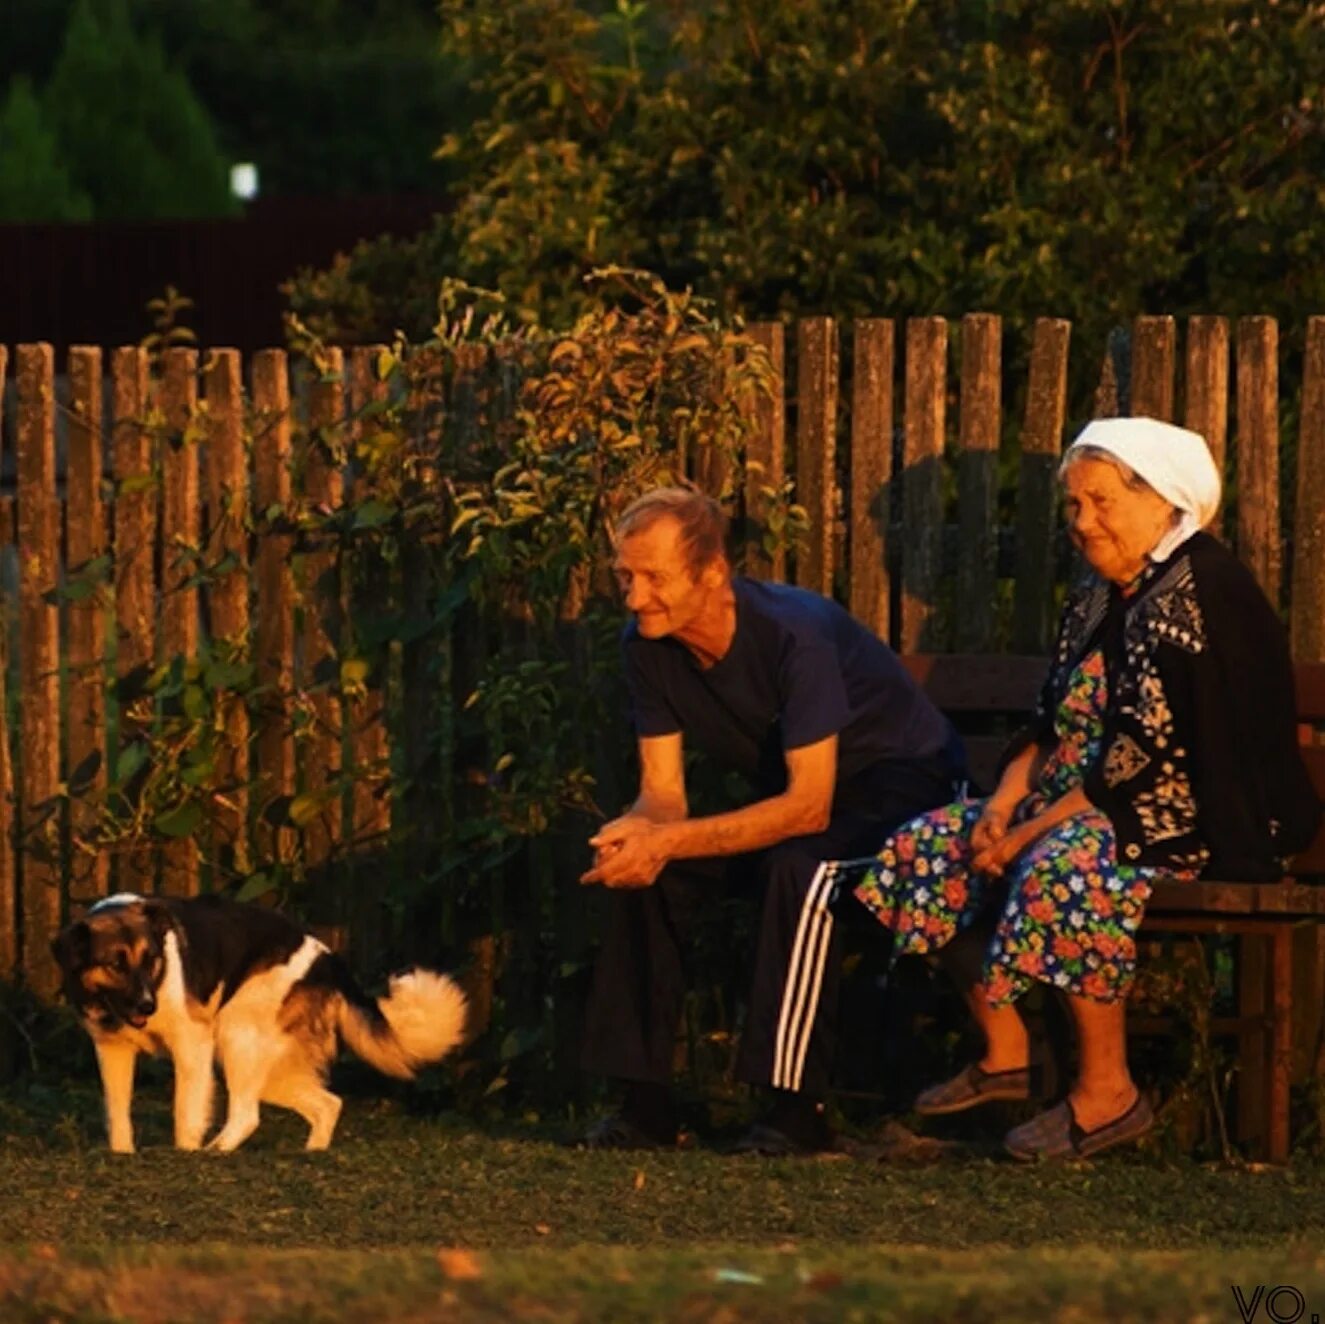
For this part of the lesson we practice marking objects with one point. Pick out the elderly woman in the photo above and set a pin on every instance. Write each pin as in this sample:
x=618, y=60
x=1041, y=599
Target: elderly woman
x=1163, y=746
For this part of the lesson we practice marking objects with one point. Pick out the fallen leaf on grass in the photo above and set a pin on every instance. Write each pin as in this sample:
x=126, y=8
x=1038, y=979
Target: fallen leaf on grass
x=458, y=1264
x=735, y=1276
x=542, y=1229
x=46, y=1252
x=639, y=1181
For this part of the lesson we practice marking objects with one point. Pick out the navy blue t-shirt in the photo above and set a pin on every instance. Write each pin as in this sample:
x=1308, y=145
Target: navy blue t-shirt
x=800, y=668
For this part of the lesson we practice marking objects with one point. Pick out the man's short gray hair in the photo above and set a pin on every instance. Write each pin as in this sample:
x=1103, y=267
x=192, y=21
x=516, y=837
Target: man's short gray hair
x=703, y=523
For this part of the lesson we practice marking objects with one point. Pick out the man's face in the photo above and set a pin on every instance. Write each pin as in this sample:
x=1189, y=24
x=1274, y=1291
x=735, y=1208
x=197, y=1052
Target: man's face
x=656, y=580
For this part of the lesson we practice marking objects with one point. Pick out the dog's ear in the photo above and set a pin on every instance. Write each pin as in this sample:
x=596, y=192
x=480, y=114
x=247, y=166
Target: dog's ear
x=73, y=946
x=159, y=919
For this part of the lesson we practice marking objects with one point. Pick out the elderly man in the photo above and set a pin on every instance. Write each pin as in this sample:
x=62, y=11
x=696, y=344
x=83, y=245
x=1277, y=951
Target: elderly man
x=786, y=687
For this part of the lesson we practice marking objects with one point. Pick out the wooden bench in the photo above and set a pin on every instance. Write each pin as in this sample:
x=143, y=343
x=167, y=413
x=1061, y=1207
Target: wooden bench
x=988, y=696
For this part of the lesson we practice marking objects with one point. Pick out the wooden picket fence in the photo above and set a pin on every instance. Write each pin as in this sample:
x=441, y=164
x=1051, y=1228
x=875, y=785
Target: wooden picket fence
x=909, y=524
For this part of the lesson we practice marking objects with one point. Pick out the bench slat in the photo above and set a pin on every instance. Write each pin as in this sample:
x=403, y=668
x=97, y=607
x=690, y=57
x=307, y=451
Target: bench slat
x=1309, y=684
x=1275, y=900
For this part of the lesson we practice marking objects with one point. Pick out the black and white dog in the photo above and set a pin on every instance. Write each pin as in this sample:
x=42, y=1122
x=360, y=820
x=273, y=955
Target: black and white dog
x=207, y=979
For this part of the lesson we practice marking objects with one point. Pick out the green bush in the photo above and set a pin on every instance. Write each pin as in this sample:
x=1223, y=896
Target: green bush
x=1091, y=160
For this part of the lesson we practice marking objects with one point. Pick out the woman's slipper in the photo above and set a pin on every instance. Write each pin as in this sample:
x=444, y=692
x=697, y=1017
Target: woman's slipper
x=1056, y=1134
x=971, y=1088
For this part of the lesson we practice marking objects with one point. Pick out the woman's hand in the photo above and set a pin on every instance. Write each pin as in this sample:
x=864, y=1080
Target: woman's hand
x=995, y=856
x=991, y=826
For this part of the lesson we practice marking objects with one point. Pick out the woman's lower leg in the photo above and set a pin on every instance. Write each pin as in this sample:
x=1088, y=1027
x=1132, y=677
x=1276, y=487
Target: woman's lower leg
x=1007, y=1044
x=1104, y=1087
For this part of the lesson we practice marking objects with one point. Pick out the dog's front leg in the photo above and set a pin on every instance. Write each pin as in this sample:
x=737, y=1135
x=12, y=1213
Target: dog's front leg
x=116, y=1061
x=194, y=1083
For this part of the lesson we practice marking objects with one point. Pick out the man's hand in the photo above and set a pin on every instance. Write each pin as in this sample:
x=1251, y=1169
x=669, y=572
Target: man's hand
x=628, y=852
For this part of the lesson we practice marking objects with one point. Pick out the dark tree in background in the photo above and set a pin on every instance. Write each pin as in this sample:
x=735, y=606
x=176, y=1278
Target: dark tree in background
x=131, y=132
x=33, y=177
x=326, y=97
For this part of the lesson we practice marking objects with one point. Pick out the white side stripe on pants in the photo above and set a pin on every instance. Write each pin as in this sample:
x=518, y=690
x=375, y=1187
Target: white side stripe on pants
x=805, y=972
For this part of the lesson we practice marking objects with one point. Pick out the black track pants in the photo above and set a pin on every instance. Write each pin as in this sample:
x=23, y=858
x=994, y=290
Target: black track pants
x=791, y=1019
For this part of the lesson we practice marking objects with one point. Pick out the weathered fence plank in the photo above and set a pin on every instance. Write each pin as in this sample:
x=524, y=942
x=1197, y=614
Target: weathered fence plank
x=1207, y=383
x=323, y=493
x=1308, y=583
x=274, y=632
x=39, y=660
x=227, y=510
x=1258, y=450
x=1037, y=493
x=977, y=482
x=816, y=436
x=9, y=953
x=922, y=491
x=155, y=525
x=85, y=546
x=874, y=361
x=135, y=528
x=1153, y=349
x=181, y=542
x=766, y=450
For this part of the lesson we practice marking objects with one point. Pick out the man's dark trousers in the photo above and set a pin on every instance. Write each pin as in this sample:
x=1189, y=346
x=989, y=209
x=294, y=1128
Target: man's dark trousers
x=790, y=1032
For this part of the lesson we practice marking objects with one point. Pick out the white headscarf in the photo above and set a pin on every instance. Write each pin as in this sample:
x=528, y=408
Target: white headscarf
x=1175, y=462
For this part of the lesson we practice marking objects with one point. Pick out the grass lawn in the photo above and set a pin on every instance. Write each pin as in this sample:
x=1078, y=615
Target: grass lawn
x=528, y=1229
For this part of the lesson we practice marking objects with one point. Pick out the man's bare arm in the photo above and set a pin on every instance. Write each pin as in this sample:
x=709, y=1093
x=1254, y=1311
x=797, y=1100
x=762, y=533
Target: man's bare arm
x=662, y=792
x=803, y=808
x=633, y=849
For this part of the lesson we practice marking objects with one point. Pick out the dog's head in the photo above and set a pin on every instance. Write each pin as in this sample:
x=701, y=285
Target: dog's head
x=113, y=961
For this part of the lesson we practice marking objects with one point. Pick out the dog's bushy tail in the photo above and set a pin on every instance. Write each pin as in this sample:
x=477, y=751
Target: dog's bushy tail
x=421, y=1019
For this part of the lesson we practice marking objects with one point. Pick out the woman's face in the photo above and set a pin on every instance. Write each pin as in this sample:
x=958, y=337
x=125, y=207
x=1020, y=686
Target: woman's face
x=1114, y=525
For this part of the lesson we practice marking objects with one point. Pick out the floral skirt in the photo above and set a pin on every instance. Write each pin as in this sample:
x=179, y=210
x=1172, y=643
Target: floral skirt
x=1064, y=913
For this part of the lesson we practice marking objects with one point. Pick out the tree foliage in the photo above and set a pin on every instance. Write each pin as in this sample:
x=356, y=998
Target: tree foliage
x=34, y=185
x=1093, y=159
x=135, y=137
